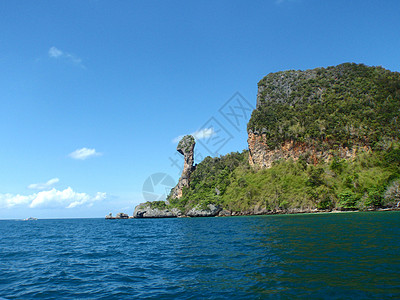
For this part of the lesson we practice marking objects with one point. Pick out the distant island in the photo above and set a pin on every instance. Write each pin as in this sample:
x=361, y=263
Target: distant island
x=117, y=216
x=325, y=139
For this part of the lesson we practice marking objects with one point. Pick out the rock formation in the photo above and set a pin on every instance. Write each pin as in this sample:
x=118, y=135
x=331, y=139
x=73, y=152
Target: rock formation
x=148, y=210
x=186, y=148
x=118, y=216
x=144, y=210
x=211, y=211
x=262, y=157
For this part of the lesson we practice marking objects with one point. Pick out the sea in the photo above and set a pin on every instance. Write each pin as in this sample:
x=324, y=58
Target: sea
x=320, y=256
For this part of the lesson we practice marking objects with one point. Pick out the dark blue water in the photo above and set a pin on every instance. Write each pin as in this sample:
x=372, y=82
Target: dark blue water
x=331, y=256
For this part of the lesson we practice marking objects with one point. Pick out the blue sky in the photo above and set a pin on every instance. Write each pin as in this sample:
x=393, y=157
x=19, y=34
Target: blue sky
x=94, y=94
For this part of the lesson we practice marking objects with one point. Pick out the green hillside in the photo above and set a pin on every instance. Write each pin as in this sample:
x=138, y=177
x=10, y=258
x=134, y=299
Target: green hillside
x=345, y=106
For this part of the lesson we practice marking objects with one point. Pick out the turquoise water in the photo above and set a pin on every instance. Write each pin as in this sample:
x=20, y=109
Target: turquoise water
x=330, y=256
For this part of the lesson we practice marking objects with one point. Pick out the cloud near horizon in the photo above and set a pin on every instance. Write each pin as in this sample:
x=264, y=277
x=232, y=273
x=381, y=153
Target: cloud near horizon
x=84, y=153
x=43, y=186
x=198, y=135
x=57, y=53
x=53, y=198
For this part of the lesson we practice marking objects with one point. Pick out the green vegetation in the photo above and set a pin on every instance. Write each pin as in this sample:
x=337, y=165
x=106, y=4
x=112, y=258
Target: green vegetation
x=157, y=205
x=370, y=180
x=211, y=178
x=345, y=105
x=349, y=105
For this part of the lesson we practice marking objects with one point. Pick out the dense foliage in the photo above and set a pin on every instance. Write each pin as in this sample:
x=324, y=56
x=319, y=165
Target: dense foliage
x=370, y=180
x=210, y=179
x=348, y=104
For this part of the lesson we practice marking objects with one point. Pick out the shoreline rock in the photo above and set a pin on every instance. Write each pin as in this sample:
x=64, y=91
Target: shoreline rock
x=211, y=211
x=144, y=210
x=227, y=213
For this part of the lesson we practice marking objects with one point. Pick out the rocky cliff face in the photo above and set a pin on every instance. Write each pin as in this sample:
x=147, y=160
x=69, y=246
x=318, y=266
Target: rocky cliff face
x=262, y=157
x=186, y=148
x=315, y=113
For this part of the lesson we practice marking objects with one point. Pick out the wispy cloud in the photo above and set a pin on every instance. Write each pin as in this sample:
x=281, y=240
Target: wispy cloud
x=84, y=153
x=43, y=186
x=54, y=52
x=59, y=54
x=198, y=135
x=53, y=198
x=203, y=133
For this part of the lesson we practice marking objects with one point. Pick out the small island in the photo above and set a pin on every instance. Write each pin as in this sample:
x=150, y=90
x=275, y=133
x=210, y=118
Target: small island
x=118, y=216
x=30, y=219
x=319, y=140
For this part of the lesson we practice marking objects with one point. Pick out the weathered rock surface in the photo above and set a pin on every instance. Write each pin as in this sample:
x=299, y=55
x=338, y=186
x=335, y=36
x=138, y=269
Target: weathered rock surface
x=224, y=213
x=261, y=156
x=211, y=211
x=186, y=148
x=144, y=210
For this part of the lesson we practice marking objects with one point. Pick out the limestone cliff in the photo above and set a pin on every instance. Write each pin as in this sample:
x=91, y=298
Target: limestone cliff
x=186, y=148
x=323, y=112
x=261, y=156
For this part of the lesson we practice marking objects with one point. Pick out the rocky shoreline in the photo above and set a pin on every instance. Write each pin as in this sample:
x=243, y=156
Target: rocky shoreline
x=144, y=210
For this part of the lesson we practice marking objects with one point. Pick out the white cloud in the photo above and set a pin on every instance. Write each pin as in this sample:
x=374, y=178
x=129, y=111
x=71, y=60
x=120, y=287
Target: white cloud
x=177, y=139
x=57, y=53
x=84, y=153
x=203, y=133
x=66, y=198
x=43, y=186
x=54, y=52
x=51, y=199
x=10, y=200
x=198, y=135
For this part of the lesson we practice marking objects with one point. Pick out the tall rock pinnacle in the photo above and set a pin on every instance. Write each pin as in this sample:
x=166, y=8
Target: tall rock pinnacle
x=186, y=148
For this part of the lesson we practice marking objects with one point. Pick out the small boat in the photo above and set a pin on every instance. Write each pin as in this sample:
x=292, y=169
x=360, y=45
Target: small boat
x=30, y=219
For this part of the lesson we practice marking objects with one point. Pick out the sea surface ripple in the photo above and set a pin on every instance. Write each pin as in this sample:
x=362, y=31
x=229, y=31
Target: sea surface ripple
x=326, y=256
